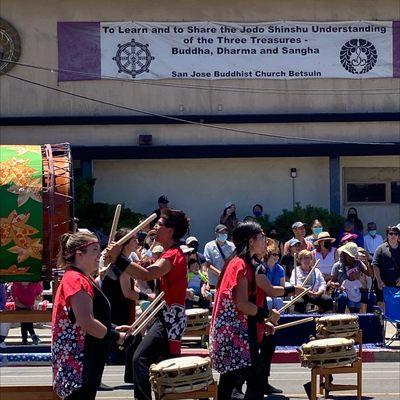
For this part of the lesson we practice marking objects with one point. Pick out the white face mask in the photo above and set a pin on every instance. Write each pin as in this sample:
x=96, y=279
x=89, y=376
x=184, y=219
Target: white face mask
x=222, y=237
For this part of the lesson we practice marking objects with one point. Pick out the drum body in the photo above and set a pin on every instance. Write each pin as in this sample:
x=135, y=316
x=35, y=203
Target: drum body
x=181, y=375
x=197, y=318
x=340, y=325
x=58, y=205
x=36, y=192
x=333, y=352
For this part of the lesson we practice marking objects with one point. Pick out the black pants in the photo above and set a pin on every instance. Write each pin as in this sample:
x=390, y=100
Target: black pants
x=253, y=375
x=324, y=301
x=83, y=394
x=26, y=327
x=153, y=348
x=266, y=353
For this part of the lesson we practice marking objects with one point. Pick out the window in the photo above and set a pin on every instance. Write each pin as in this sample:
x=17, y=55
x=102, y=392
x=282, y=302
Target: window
x=366, y=192
x=395, y=192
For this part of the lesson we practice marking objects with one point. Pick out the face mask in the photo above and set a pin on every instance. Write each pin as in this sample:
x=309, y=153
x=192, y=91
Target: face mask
x=257, y=213
x=317, y=230
x=195, y=247
x=222, y=237
x=373, y=232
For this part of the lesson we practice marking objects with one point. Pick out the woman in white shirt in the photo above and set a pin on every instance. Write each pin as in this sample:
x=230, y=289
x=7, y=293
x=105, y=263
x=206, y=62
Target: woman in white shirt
x=316, y=281
x=325, y=253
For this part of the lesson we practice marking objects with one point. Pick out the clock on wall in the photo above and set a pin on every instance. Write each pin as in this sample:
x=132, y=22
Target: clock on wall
x=10, y=46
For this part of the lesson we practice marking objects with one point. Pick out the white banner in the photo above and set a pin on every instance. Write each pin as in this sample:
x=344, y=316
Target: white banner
x=276, y=50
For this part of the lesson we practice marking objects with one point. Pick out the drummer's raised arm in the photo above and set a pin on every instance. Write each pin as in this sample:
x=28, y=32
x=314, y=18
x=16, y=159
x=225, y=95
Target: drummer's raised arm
x=161, y=267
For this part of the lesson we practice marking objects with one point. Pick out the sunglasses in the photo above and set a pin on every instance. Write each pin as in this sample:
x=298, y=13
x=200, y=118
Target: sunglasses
x=393, y=234
x=274, y=254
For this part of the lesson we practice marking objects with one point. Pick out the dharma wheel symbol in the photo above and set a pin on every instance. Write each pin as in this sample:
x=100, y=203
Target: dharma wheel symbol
x=133, y=58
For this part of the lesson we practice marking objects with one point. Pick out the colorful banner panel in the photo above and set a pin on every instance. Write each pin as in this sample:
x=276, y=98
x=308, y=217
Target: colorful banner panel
x=21, y=213
x=217, y=50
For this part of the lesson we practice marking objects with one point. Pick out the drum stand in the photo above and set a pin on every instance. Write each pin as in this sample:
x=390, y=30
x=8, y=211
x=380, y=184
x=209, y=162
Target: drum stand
x=208, y=393
x=326, y=372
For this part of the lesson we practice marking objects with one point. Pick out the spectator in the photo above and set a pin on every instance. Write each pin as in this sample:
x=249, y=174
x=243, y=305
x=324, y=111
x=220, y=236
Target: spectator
x=5, y=326
x=228, y=218
x=193, y=243
x=163, y=203
x=352, y=215
x=368, y=297
x=325, y=253
x=317, y=294
x=299, y=233
x=258, y=210
x=287, y=261
x=217, y=252
x=351, y=286
x=25, y=294
x=273, y=234
x=198, y=286
x=348, y=227
x=275, y=274
x=386, y=262
x=316, y=229
x=348, y=259
x=372, y=240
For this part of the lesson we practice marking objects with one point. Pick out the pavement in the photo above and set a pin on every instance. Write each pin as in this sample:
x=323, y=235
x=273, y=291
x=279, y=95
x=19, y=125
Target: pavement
x=282, y=355
x=380, y=381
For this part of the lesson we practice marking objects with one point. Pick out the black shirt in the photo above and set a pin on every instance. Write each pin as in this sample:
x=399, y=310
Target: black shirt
x=387, y=260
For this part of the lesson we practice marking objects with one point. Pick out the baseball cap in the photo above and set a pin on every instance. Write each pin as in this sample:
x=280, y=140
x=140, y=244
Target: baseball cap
x=298, y=224
x=220, y=227
x=163, y=199
x=158, y=249
x=191, y=239
x=186, y=249
x=293, y=241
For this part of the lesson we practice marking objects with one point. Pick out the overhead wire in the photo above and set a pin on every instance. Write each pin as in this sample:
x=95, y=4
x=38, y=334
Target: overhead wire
x=224, y=88
x=186, y=121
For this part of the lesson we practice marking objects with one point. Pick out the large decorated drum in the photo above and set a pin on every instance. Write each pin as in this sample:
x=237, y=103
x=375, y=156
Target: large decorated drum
x=339, y=325
x=36, y=198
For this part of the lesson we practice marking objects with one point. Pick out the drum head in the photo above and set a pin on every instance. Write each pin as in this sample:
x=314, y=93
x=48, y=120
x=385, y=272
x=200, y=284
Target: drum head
x=325, y=343
x=180, y=363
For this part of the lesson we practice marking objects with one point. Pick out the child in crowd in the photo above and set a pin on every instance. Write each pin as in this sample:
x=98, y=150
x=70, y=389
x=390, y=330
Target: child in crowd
x=25, y=294
x=198, y=288
x=352, y=287
x=5, y=326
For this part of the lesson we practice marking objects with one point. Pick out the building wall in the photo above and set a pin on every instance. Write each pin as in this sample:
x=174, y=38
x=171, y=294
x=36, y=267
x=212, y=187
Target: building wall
x=383, y=214
x=36, y=22
x=202, y=187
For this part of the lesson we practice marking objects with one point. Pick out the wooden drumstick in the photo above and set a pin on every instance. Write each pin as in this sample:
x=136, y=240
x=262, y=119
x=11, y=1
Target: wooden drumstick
x=309, y=274
x=149, y=318
x=114, y=225
x=280, y=311
x=147, y=311
x=133, y=232
x=293, y=323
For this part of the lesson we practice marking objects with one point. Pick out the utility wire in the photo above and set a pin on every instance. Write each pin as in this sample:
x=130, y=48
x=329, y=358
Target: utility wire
x=232, y=89
x=182, y=120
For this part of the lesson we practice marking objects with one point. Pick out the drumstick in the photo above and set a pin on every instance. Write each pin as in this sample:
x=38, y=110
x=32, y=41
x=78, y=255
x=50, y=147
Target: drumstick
x=114, y=225
x=280, y=311
x=293, y=323
x=133, y=232
x=147, y=311
x=309, y=274
x=149, y=318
